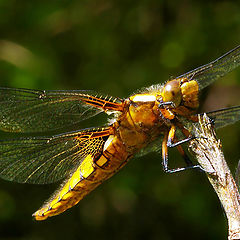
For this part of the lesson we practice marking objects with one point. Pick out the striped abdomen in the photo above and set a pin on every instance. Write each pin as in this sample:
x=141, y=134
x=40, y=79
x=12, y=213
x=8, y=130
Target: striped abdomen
x=91, y=173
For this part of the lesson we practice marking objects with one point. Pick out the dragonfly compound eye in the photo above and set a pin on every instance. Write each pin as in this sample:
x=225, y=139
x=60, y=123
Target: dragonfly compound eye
x=172, y=92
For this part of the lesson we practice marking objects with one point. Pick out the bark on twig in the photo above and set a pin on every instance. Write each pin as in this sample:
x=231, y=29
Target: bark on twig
x=207, y=149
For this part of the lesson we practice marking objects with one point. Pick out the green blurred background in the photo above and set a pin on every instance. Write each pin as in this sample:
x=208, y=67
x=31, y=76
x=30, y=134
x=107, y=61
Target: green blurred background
x=117, y=47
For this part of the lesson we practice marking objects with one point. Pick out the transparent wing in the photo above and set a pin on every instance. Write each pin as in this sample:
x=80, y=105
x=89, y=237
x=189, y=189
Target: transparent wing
x=48, y=159
x=224, y=117
x=24, y=110
x=154, y=146
x=208, y=73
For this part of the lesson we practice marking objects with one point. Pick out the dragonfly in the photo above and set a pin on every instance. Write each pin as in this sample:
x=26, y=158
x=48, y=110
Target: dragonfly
x=85, y=158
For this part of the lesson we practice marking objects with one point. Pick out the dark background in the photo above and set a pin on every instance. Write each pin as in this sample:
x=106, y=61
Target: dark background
x=117, y=47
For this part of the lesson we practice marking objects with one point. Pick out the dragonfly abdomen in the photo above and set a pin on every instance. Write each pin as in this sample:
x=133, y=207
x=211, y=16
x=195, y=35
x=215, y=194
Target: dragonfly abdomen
x=86, y=178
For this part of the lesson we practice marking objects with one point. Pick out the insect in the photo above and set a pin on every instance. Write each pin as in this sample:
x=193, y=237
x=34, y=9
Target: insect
x=86, y=158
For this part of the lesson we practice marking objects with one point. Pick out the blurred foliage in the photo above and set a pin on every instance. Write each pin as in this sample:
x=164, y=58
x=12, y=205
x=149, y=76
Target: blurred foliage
x=116, y=47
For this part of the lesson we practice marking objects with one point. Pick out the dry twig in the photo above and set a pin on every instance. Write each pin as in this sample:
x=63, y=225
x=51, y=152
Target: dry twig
x=207, y=149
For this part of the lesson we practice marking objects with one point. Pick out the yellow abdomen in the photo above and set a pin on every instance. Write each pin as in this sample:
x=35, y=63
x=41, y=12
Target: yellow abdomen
x=87, y=177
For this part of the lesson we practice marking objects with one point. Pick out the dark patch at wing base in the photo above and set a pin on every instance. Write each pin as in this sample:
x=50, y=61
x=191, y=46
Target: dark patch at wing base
x=47, y=160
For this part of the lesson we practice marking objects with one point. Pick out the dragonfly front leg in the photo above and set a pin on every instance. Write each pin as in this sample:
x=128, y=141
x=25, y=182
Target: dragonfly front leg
x=168, y=141
x=171, y=143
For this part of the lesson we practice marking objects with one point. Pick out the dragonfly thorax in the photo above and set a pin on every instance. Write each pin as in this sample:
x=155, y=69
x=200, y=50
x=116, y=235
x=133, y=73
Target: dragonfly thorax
x=139, y=122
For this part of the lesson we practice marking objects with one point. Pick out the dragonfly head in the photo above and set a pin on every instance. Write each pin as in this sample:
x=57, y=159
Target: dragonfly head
x=181, y=91
x=171, y=92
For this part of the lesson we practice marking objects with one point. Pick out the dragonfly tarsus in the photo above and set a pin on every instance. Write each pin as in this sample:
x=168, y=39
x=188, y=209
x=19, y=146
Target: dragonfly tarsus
x=175, y=144
x=175, y=170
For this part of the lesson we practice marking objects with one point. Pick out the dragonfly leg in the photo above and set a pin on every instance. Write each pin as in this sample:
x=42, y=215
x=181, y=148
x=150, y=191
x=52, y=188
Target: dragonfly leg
x=171, y=143
x=171, y=136
x=165, y=104
x=178, y=143
x=186, y=158
x=168, y=139
x=188, y=161
x=165, y=112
